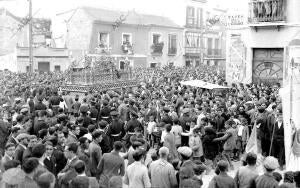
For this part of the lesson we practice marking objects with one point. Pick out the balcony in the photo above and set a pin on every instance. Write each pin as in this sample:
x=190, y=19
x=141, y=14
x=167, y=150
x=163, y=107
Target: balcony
x=267, y=11
x=211, y=53
x=127, y=48
x=157, y=48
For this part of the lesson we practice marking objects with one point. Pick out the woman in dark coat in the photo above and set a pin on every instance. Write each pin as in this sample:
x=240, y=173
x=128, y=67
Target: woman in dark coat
x=210, y=148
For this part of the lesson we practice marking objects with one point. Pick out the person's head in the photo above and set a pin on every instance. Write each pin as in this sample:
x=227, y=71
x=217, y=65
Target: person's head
x=222, y=166
x=185, y=152
x=11, y=164
x=154, y=156
x=163, y=152
x=91, y=128
x=80, y=167
x=76, y=129
x=270, y=164
x=199, y=169
x=297, y=178
x=151, y=118
x=168, y=127
x=38, y=150
x=288, y=177
x=138, y=155
x=32, y=141
x=10, y=149
x=84, y=142
x=277, y=176
x=71, y=150
x=61, y=137
x=97, y=136
x=251, y=159
x=23, y=139
x=118, y=146
x=49, y=148
x=46, y=180
x=30, y=165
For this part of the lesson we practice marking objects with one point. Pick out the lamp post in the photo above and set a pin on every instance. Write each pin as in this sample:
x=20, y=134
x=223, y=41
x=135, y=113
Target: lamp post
x=30, y=38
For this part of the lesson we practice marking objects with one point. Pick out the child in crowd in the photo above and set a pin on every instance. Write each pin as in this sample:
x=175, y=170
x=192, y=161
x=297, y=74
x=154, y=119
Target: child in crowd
x=177, y=131
x=150, y=129
x=169, y=142
x=196, y=144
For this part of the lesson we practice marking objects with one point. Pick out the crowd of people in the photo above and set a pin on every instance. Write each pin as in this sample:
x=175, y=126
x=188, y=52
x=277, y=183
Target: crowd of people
x=159, y=134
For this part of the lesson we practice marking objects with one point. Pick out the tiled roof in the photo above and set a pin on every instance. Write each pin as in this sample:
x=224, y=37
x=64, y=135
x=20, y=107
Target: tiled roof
x=132, y=17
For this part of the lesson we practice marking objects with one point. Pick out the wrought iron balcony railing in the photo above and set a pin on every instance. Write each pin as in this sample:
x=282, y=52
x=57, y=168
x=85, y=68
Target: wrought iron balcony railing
x=267, y=11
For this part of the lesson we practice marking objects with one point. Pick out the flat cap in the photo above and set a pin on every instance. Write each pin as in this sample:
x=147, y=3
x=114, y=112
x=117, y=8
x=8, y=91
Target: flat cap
x=22, y=136
x=184, y=150
x=271, y=163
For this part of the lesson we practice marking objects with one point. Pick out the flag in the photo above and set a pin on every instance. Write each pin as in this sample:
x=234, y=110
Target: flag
x=252, y=142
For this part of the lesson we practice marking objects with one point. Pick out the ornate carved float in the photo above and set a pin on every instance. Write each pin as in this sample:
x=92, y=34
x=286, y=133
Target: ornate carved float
x=98, y=73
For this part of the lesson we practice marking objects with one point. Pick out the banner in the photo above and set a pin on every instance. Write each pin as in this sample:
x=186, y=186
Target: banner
x=290, y=95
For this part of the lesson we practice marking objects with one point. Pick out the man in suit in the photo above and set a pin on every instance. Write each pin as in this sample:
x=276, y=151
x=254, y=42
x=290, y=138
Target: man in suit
x=10, y=149
x=82, y=180
x=95, y=153
x=3, y=134
x=29, y=167
x=277, y=140
x=23, y=142
x=68, y=173
x=49, y=160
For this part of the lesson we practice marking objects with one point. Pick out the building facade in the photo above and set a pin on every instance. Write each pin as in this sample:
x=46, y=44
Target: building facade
x=204, y=35
x=131, y=38
x=14, y=45
x=258, y=49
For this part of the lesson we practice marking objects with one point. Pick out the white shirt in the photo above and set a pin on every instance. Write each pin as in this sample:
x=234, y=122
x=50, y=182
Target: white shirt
x=136, y=176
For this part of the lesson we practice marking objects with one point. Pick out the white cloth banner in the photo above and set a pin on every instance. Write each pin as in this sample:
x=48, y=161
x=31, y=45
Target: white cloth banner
x=292, y=162
x=202, y=84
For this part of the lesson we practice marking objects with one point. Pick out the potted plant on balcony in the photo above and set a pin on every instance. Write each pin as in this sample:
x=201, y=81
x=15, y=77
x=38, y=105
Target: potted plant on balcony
x=157, y=48
x=127, y=48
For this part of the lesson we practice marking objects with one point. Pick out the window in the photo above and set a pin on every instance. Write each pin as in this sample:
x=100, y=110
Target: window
x=217, y=43
x=193, y=40
x=103, y=40
x=57, y=68
x=126, y=38
x=156, y=38
x=172, y=44
x=209, y=46
x=199, y=17
x=190, y=16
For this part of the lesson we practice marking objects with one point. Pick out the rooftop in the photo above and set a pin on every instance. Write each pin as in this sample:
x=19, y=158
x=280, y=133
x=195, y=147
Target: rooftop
x=130, y=17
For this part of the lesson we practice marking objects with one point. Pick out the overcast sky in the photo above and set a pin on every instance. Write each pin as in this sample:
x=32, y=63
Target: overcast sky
x=49, y=8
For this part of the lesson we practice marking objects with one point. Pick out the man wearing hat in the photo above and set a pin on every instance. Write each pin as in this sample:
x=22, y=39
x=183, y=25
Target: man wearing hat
x=23, y=142
x=165, y=116
x=185, y=123
x=131, y=126
x=267, y=180
x=105, y=111
x=54, y=101
x=116, y=128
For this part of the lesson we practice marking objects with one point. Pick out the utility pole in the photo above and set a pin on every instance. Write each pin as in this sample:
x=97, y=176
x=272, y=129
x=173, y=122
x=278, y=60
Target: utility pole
x=30, y=38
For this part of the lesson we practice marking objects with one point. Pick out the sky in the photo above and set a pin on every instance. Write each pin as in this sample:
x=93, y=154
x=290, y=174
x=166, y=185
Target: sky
x=50, y=8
